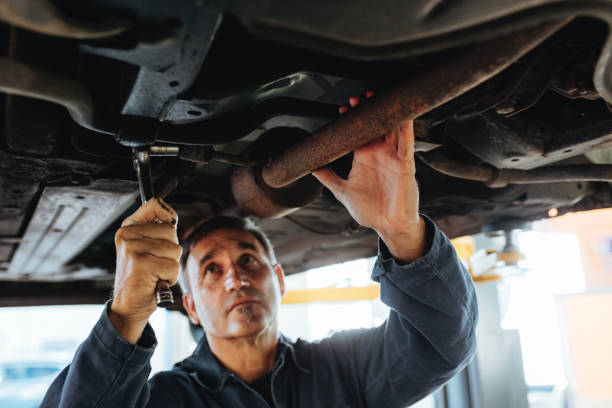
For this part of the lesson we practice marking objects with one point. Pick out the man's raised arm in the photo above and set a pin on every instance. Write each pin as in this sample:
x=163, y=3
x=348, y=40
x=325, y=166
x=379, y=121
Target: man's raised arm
x=111, y=367
x=430, y=333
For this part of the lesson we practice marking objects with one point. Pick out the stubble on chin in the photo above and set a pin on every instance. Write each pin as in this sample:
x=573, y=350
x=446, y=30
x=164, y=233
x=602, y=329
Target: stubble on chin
x=247, y=313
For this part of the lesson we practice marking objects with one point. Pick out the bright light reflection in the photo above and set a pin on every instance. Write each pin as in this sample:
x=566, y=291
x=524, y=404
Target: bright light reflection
x=315, y=321
x=553, y=266
x=342, y=275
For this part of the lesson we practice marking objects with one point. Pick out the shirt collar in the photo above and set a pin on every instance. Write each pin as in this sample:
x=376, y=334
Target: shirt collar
x=286, y=343
x=208, y=371
x=205, y=368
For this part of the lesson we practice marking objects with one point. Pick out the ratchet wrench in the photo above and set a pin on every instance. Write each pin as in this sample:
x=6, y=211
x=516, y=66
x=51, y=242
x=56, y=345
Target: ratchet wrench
x=142, y=165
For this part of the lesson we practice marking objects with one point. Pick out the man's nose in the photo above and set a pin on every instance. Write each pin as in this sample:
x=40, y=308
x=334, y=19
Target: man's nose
x=234, y=280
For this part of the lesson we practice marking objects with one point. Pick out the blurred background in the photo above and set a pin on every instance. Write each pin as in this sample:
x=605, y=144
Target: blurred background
x=545, y=299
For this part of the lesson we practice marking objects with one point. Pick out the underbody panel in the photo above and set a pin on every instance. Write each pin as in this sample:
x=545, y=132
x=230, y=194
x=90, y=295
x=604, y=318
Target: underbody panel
x=235, y=101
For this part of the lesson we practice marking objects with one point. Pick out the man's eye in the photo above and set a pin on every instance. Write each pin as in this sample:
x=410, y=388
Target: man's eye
x=248, y=259
x=212, y=268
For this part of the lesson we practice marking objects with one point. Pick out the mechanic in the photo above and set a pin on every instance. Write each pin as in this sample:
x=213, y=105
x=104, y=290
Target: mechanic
x=233, y=286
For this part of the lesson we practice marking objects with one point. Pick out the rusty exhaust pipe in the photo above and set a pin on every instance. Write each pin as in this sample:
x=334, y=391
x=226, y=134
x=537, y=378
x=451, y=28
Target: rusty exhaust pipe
x=387, y=110
x=257, y=190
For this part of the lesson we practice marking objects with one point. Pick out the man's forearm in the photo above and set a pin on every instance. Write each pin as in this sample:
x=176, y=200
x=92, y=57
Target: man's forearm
x=407, y=243
x=128, y=329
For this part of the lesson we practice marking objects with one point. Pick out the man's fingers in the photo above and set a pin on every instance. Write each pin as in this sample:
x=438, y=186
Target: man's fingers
x=154, y=231
x=354, y=101
x=151, y=267
x=154, y=210
x=168, y=270
x=392, y=138
x=405, y=143
x=156, y=247
x=331, y=180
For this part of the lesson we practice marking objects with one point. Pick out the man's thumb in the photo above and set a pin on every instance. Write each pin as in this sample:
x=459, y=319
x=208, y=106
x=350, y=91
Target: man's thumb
x=154, y=210
x=331, y=180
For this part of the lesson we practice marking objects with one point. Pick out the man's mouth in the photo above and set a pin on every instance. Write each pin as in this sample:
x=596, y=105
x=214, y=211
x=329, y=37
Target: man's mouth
x=242, y=301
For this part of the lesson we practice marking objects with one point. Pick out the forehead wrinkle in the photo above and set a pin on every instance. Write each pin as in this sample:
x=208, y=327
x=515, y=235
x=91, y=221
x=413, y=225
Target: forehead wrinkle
x=246, y=245
x=225, y=239
x=210, y=254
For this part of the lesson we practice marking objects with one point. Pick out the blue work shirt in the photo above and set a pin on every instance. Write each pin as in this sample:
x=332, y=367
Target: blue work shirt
x=427, y=339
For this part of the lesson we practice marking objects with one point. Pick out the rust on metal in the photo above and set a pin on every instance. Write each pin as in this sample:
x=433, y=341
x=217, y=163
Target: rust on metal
x=255, y=197
x=251, y=198
x=418, y=95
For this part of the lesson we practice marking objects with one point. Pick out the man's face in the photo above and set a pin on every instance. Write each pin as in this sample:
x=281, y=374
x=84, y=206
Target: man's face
x=235, y=290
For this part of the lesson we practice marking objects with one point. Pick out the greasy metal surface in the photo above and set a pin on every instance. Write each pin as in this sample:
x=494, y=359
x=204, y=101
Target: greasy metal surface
x=65, y=221
x=540, y=72
x=387, y=110
x=413, y=28
x=43, y=17
x=20, y=79
x=392, y=28
x=509, y=145
x=183, y=54
x=20, y=180
x=15, y=194
x=304, y=85
x=250, y=122
x=357, y=25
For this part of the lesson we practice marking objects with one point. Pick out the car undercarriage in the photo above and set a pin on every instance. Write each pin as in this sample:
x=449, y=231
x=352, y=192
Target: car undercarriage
x=235, y=103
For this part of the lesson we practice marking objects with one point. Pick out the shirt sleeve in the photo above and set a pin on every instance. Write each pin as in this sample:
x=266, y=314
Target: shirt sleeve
x=428, y=337
x=107, y=371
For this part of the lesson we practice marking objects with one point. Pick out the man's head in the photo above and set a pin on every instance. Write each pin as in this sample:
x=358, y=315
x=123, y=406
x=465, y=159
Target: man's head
x=231, y=281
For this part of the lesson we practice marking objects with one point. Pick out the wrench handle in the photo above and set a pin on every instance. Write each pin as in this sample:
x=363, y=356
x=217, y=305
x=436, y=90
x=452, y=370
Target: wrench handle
x=163, y=294
x=142, y=165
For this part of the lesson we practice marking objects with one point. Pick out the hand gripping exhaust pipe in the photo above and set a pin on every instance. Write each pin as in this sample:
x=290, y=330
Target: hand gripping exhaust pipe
x=379, y=115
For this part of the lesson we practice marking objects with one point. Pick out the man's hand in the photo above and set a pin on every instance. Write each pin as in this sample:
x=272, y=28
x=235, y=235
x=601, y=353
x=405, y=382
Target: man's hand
x=381, y=191
x=147, y=251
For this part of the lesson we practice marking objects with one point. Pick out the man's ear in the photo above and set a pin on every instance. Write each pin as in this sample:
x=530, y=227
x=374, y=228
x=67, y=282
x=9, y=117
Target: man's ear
x=189, y=306
x=280, y=274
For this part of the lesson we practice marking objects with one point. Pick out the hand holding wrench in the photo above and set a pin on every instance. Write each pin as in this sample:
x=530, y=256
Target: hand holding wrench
x=142, y=165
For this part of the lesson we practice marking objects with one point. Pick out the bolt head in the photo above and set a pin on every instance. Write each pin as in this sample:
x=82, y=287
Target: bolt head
x=504, y=109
